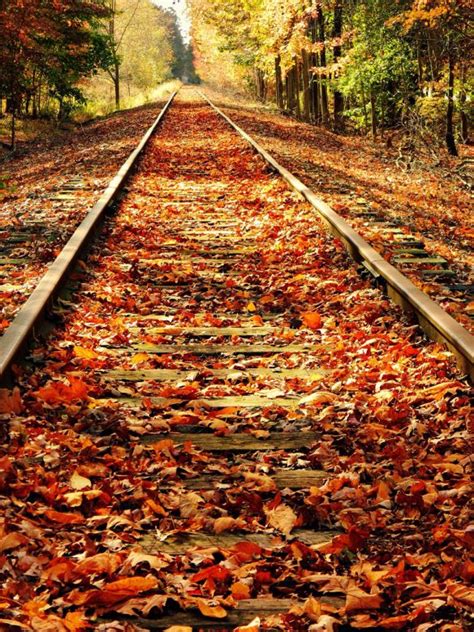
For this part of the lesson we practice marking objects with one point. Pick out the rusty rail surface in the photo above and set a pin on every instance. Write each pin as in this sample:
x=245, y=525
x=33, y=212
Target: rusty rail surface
x=31, y=314
x=433, y=319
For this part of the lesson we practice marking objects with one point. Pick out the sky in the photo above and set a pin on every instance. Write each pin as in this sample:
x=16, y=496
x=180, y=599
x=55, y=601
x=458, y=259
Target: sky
x=180, y=7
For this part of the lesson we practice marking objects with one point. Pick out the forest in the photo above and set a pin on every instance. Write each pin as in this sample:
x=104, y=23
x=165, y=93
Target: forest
x=365, y=66
x=61, y=57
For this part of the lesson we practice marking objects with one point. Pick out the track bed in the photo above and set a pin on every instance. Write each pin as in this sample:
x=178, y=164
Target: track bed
x=228, y=423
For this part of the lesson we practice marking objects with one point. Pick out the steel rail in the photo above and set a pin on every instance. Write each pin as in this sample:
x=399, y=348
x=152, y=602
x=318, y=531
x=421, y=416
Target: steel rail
x=32, y=313
x=433, y=319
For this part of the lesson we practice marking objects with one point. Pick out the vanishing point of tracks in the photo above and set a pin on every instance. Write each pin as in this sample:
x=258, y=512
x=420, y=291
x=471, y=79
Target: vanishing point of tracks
x=228, y=421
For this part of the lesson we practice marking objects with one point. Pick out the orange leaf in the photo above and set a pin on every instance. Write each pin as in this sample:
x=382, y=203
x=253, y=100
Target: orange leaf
x=63, y=518
x=225, y=523
x=253, y=626
x=215, y=612
x=106, y=563
x=312, y=320
x=12, y=541
x=132, y=585
x=75, y=622
x=282, y=518
x=10, y=401
x=357, y=599
x=240, y=591
x=61, y=393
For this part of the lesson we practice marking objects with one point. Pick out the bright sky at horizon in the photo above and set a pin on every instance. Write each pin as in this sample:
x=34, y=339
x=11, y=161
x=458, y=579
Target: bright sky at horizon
x=181, y=11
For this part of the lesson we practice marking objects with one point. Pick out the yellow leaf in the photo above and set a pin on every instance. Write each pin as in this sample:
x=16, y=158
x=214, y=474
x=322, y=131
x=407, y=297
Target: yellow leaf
x=139, y=357
x=79, y=482
x=86, y=354
x=251, y=307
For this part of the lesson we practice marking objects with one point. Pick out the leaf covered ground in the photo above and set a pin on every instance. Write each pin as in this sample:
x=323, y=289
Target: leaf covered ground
x=33, y=225
x=353, y=174
x=218, y=344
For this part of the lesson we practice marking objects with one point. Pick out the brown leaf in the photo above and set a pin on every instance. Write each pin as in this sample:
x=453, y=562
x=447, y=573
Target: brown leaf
x=10, y=401
x=282, y=518
x=225, y=523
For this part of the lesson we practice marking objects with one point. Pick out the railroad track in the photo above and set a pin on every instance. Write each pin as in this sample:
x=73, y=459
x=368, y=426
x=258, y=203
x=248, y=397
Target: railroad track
x=211, y=417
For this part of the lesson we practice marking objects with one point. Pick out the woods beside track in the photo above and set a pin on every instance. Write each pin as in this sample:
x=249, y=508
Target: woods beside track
x=228, y=422
x=36, y=216
x=354, y=174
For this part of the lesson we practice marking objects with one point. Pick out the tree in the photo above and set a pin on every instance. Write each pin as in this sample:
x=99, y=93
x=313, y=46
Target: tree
x=449, y=23
x=57, y=41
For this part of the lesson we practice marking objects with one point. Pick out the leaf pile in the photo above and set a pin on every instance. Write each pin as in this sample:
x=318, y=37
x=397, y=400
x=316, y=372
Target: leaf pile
x=118, y=498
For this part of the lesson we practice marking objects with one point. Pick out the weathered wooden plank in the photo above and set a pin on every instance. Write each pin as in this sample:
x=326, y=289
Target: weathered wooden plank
x=203, y=349
x=185, y=261
x=417, y=260
x=244, y=612
x=439, y=273
x=208, y=332
x=232, y=401
x=180, y=543
x=411, y=251
x=293, y=479
x=239, y=442
x=241, y=317
x=165, y=375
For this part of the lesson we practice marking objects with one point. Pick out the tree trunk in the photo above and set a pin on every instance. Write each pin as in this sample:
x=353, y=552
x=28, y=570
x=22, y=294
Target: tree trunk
x=314, y=87
x=462, y=105
x=306, y=91
x=13, y=129
x=117, y=83
x=278, y=83
x=338, y=98
x=297, y=86
x=322, y=63
x=450, y=142
x=373, y=114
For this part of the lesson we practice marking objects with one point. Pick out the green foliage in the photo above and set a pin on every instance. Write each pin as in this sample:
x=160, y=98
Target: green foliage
x=380, y=62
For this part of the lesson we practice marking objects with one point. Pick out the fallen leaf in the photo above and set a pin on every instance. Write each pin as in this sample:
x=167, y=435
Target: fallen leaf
x=240, y=590
x=79, y=482
x=282, y=518
x=86, y=354
x=12, y=541
x=215, y=612
x=312, y=320
x=10, y=401
x=63, y=517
